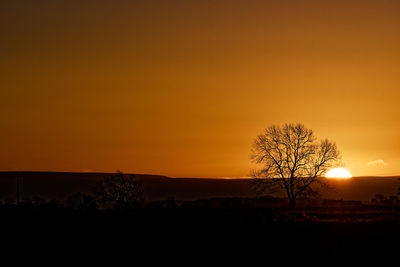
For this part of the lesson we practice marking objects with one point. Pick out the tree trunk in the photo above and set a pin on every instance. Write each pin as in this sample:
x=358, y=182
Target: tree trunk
x=292, y=203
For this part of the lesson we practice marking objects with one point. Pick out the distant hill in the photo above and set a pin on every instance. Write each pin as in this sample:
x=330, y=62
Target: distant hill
x=58, y=185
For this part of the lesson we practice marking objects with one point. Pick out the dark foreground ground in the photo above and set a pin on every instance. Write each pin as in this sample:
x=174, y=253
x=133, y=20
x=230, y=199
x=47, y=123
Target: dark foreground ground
x=340, y=236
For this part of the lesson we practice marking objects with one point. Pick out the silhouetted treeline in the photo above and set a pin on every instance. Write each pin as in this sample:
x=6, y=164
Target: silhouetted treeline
x=124, y=192
x=383, y=200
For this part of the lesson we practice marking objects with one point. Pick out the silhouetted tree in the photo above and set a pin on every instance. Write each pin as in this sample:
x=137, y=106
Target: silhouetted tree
x=379, y=199
x=292, y=159
x=9, y=201
x=38, y=201
x=393, y=199
x=27, y=202
x=171, y=203
x=119, y=191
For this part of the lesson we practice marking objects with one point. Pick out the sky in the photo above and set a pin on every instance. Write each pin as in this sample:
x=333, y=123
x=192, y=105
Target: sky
x=182, y=88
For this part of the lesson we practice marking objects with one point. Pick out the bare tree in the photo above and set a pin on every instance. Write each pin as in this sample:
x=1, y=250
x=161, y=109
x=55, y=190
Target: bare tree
x=292, y=159
x=119, y=191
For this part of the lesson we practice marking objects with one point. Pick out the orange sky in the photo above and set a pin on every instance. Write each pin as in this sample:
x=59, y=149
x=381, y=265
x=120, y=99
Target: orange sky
x=181, y=88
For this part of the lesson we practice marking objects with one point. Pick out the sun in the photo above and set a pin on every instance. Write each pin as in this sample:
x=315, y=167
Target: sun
x=338, y=173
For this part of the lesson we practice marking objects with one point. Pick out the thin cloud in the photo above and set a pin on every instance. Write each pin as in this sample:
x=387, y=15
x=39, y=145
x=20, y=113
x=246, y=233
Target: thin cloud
x=377, y=163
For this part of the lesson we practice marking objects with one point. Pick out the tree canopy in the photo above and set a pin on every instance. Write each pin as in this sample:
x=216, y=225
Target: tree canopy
x=291, y=158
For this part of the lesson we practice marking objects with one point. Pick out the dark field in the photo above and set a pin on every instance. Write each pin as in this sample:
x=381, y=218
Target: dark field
x=221, y=224
x=343, y=235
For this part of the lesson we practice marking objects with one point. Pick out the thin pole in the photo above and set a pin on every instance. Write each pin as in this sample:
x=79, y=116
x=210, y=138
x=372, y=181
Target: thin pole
x=18, y=191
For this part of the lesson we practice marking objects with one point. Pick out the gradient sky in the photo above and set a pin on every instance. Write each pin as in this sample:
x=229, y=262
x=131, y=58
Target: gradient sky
x=182, y=88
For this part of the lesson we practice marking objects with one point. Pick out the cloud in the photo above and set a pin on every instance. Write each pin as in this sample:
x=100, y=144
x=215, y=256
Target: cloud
x=377, y=163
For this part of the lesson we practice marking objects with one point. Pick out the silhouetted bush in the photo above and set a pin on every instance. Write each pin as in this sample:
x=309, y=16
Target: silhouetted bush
x=381, y=199
x=79, y=201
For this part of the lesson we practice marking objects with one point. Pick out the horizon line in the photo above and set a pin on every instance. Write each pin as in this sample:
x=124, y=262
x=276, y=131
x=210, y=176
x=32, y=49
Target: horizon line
x=175, y=177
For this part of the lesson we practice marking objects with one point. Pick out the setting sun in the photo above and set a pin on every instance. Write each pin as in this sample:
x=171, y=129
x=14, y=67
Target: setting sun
x=338, y=173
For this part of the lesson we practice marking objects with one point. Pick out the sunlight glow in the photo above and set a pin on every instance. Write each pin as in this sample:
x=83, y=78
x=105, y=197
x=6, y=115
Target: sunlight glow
x=338, y=173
